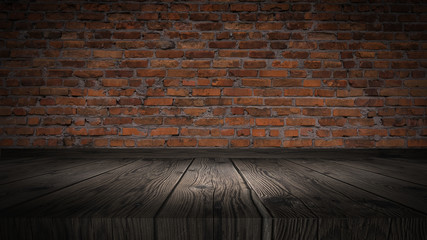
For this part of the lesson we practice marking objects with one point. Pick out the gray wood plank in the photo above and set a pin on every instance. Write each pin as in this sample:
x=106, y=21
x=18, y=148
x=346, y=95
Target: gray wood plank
x=408, y=194
x=188, y=212
x=100, y=206
x=29, y=188
x=210, y=202
x=292, y=218
x=235, y=214
x=344, y=212
x=408, y=228
x=404, y=170
x=11, y=171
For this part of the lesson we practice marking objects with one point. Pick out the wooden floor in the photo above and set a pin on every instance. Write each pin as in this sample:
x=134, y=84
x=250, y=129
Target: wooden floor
x=213, y=194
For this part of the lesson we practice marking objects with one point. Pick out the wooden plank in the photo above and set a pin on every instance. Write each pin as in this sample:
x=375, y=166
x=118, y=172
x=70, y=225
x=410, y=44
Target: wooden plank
x=403, y=170
x=418, y=154
x=408, y=228
x=99, y=207
x=188, y=211
x=411, y=195
x=210, y=202
x=235, y=214
x=11, y=171
x=292, y=218
x=343, y=211
x=33, y=187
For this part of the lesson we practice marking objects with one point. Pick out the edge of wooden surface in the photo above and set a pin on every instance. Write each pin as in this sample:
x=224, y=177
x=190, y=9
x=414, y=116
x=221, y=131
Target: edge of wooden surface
x=208, y=152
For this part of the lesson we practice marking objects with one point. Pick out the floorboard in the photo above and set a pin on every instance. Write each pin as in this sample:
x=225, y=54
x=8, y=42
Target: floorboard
x=390, y=188
x=45, y=182
x=102, y=205
x=413, y=172
x=213, y=194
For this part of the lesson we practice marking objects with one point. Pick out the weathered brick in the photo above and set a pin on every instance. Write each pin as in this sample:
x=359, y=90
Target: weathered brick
x=213, y=75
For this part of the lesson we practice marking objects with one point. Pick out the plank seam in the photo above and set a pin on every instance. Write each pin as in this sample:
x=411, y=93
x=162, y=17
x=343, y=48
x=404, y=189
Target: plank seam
x=416, y=210
x=258, y=203
x=168, y=197
x=59, y=189
x=34, y=176
x=343, y=164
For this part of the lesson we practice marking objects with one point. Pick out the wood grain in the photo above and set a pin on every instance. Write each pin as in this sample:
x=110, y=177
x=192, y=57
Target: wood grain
x=380, y=185
x=259, y=194
x=235, y=214
x=400, y=169
x=102, y=204
x=210, y=202
x=343, y=211
x=33, y=187
x=188, y=211
x=292, y=218
x=11, y=171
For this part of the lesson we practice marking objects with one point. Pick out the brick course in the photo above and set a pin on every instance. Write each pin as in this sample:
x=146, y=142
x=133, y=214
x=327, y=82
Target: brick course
x=311, y=74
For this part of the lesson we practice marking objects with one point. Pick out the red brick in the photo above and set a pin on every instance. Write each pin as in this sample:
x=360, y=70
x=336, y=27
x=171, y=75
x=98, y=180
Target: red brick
x=133, y=132
x=302, y=45
x=239, y=143
x=150, y=143
x=211, y=72
x=256, y=82
x=195, y=64
x=238, y=26
x=206, y=92
x=332, y=122
x=273, y=73
x=269, y=122
x=287, y=82
x=359, y=143
x=181, y=142
x=267, y=143
x=297, y=143
x=233, y=53
x=225, y=63
x=199, y=54
x=300, y=121
x=138, y=54
x=48, y=131
x=243, y=7
x=278, y=36
x=261, y=54
x=373, y=45
x=388, y=143
x=248, y=101
x=213, y=142
x=237, y=92
x=164, y=131
x=299, y=25
x=275, y=7
x=169, y=54
x=181, y=73
x=208, y=26
x=158, y=101
x=254, y=64
x=332, y=143
x=243, y=73
x=421, y=142
x=209, y=122
x=347, y=112
x=269, y=26
x=237, y=121
x=151, y=73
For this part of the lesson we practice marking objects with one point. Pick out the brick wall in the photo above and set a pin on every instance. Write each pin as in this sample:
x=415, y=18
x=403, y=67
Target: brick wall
x=315, y=74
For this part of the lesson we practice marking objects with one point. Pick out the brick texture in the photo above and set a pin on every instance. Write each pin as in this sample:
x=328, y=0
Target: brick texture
x=293, y=74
